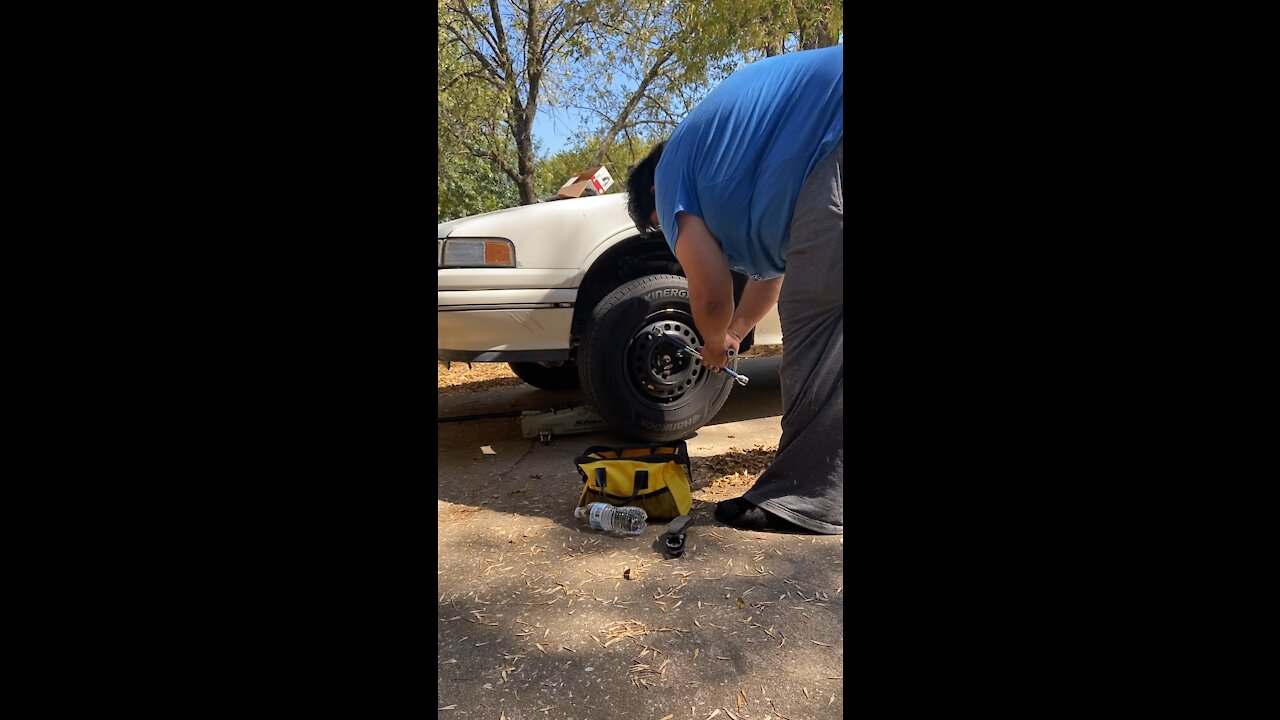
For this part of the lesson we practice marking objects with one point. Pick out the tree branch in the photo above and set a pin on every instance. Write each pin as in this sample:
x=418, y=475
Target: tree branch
x=632, y=102
x=472, y=74
x=475, y=23
x=478, y=55
x=493, y=157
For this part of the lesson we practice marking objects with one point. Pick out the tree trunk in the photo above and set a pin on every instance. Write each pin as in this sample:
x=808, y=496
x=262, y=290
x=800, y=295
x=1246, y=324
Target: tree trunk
x=524, y=161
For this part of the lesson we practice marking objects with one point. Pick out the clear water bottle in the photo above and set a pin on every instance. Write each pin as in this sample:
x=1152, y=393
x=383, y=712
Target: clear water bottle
x=620, y=520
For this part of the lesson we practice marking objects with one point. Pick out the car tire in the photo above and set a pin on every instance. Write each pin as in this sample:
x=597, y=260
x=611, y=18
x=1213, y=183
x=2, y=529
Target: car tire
x=643, y=385
x=547, y=376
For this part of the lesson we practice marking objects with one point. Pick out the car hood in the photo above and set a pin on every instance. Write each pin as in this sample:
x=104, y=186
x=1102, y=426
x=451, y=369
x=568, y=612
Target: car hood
x=612, y=209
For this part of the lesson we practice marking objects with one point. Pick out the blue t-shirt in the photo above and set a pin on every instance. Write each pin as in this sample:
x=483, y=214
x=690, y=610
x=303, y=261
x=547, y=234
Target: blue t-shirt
x=739, y=159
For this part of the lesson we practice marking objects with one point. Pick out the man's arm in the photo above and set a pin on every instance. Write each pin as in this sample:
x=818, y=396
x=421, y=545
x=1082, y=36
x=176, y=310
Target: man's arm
x=758, y=298
x=710, y=286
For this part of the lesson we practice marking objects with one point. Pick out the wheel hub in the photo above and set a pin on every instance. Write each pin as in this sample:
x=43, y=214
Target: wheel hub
x=663, y=368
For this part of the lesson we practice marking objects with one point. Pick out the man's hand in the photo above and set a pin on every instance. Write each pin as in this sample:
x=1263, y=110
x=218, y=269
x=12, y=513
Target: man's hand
x=717, y=355
x=714, y=357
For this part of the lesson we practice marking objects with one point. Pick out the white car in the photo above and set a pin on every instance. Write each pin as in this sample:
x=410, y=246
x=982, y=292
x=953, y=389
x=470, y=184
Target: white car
x=568, y=293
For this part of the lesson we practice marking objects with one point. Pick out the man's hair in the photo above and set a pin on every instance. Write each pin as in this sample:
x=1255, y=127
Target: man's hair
x=640, y=202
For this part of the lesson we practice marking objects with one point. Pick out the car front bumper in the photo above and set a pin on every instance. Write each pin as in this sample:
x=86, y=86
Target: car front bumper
x=523, y=325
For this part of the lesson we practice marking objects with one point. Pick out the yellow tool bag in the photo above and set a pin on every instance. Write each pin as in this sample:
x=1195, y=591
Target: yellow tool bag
x=653, y=477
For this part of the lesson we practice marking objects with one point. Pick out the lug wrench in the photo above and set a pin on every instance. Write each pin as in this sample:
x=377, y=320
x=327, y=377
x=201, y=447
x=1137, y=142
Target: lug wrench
x=740, y=379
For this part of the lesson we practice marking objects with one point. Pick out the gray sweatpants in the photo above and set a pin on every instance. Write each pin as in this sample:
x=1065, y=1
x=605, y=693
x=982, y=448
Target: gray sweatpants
x=805, y=483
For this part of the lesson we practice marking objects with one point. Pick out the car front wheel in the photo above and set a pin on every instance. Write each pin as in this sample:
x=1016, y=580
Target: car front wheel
x=647, y=385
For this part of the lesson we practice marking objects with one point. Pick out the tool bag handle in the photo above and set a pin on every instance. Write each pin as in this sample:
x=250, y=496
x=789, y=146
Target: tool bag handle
x=680, y=453
x=641, y=482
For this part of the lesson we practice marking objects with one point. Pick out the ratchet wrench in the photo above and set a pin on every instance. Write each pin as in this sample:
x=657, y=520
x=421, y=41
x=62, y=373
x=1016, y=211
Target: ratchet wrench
x=738, y=378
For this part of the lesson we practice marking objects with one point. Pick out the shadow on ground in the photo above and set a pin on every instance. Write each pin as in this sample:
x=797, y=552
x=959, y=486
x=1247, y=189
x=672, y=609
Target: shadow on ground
x=525, y=477
x=761, y=398
x=540, y=618
x=536, y=619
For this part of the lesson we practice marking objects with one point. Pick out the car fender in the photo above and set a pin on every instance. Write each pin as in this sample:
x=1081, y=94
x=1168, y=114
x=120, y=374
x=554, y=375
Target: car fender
x=562, y=234
x=605, y=246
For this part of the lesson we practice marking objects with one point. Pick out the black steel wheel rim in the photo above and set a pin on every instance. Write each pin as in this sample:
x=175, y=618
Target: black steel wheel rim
x=659, y=368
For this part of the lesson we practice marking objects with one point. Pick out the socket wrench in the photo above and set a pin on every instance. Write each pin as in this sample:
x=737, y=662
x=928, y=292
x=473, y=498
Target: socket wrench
x=659, y=332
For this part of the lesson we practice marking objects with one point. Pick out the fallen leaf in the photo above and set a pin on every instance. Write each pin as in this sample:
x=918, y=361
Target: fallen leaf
x=487, y=450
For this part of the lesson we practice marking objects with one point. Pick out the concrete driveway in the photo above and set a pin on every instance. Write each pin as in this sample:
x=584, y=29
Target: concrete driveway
x=540, y=618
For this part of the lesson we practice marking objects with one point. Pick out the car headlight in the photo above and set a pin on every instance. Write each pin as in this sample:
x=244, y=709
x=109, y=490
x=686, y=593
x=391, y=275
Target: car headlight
x=478, y=252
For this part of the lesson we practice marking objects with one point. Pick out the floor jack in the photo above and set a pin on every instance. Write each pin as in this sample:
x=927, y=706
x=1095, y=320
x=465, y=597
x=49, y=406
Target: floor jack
x=571, y=421
x=544, y=424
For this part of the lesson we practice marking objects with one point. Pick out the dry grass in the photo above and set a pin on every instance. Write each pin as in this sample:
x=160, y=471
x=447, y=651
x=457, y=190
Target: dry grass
x=475, y=377
x=624, y=629
x=730, y=474
x=646, y=675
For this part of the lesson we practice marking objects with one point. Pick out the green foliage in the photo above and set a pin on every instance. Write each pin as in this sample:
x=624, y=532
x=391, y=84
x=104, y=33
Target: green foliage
x=554, y=170
x=755, y=27
x=618, y=159
x=468, y=185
